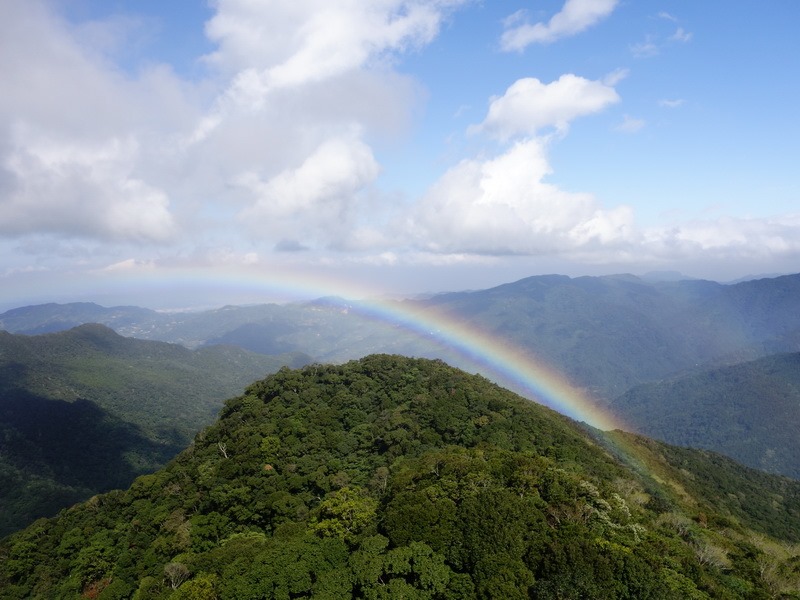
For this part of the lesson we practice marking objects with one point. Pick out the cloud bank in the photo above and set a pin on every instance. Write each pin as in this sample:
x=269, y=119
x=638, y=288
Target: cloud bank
x=279, y=148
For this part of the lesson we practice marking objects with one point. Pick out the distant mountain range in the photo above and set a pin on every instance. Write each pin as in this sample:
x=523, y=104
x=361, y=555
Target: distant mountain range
x=397, y=478
x=605, y=334
x=749, y=411
x=87, y=410
x=608, y=334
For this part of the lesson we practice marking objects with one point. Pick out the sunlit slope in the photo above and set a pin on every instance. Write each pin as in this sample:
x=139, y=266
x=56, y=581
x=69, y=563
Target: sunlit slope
x=391, y=477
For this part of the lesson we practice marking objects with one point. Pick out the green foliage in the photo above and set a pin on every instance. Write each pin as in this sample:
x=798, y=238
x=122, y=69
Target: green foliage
x=86, y=410
x=748, y=411
x=202, y=587
x=605, y=334
x=391, y=477
x=345, y=513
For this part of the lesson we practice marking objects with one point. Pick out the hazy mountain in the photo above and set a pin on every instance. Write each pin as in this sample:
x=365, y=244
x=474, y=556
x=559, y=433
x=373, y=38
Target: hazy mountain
x=399, y=478
x=86, y=410
x=328, y=329
x=665, y=276
x=50, y=318
x=749, y=411
x=606, y=334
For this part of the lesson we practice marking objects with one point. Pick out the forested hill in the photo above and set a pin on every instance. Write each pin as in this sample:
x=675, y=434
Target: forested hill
x=749, y=411
x=86, y=410
x=610, y=333
x=399, y=478
x=52, y=317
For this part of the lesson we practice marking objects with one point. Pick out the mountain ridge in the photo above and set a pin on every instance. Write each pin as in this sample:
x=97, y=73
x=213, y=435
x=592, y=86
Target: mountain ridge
x=749, y=411
x=649, y=329
x=394, y=477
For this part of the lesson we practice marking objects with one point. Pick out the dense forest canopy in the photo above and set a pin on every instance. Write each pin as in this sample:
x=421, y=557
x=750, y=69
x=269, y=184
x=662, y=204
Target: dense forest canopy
x=392, y=477
x=86, y=410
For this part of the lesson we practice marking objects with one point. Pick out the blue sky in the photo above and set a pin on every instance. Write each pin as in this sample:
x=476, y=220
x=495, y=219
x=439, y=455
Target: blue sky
x=394, y=146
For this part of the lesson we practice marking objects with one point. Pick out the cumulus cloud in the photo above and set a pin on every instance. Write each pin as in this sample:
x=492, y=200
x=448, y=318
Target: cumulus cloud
x=275, y=156
x=503, y=206
x=53, y=79
x=90, y=151
x=574, y=17
x=273, y=46
x=528, y=105
x=315, y=200
x=72, y=130
x=82, y=190
x=302, y=77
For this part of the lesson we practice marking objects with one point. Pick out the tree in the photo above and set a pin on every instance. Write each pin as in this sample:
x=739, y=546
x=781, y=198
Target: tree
x=345, y=513
x=176, y=573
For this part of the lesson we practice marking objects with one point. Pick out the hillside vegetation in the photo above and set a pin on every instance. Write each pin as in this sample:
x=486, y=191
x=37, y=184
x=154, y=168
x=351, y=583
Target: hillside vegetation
x=87, y=410
x=748, y=411
x=392, y=477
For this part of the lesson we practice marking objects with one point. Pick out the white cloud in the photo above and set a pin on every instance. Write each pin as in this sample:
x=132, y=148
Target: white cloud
x=503, y=206
x=630, y=124
x=681, y=35
x=272, y=46
x=645, y=49
x=282, y=141
x=54, y=80
x=98, y=153
x=671, y=103
x=308, y=40
x=73, y=128
x=318, y=200
x=574, y=17
x=529, y=106
x=81, y=190
x=729, y=237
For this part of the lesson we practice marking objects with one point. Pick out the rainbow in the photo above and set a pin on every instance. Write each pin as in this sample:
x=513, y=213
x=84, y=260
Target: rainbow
x=494, y=357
